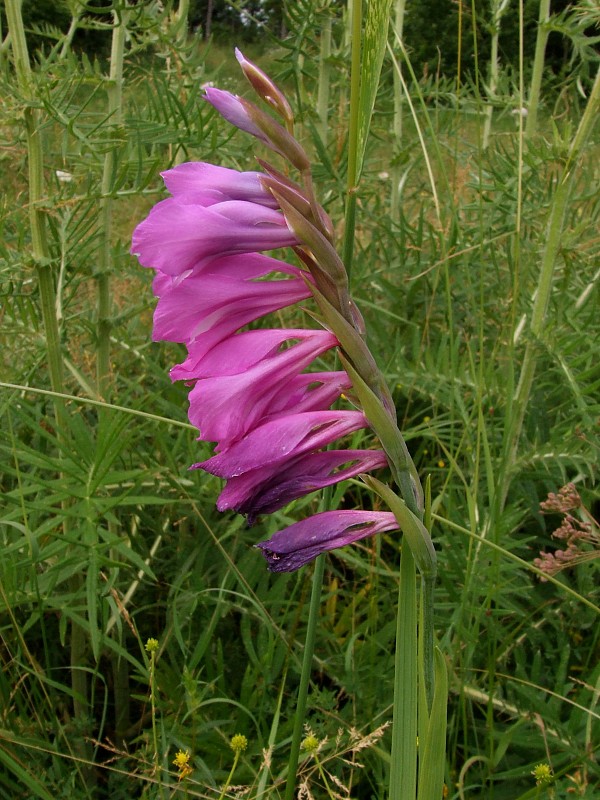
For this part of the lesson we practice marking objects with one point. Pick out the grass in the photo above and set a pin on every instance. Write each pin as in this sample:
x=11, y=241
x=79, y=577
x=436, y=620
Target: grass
x=108, y=537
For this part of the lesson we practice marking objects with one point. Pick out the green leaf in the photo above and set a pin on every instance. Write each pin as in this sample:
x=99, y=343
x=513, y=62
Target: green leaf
x=433, y=753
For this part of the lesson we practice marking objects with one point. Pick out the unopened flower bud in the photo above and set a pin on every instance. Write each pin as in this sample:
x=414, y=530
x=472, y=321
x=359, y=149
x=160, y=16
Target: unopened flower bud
x=265, y=88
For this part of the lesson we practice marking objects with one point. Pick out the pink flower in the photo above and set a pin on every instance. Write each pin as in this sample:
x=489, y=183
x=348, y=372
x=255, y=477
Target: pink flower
x=267, y=489
x=293, y=547
x=179, y=234
x=277, y=441
x=202, y=308
x=234, y=110
x=224, y=407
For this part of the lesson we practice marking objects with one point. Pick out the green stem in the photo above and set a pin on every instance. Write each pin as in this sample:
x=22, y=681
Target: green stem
x=230, y=776
x=403, y=769
x=324, y=72
x=543, y=292
x=398, y=110
x=37, y=214
x=114, y=91
x=309, y=648
x=47, y=293
x=353, y=130
x=538, y=67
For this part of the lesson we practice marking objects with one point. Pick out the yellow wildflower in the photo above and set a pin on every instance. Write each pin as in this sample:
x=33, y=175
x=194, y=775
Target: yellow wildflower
x=238, y=743
x=542, y=774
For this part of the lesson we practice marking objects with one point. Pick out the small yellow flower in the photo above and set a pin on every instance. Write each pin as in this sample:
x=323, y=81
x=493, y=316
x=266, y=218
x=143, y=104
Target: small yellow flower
x=182, y=759
x=310, y=744
x=426, y=419
x=542, y=774
x=441, y=463
x=238, y=743
x=151, y=645
x=182, y=762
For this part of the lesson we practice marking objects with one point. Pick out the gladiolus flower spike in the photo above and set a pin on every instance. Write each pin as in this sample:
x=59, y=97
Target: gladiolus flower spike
x=251, y=391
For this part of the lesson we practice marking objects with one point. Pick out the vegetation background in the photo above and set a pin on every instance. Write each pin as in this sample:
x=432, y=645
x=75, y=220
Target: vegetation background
x=477, y=272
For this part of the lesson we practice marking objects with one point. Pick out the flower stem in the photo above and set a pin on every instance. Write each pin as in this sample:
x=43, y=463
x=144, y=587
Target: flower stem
x=309, y=648
x=543, y=31
x=403, y=770
x=230, y=776
x=554, y=233
x=353, y=129
x=114, y=90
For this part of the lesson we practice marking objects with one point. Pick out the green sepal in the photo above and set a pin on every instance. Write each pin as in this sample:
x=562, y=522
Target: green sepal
x=353, y=346
x=277, y=136
x=323, y=251
x=416, y=533
x=384, y=425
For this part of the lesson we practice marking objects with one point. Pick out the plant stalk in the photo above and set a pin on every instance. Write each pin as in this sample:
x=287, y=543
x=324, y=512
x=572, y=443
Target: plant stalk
x=353, y=132
x=403, y=768
x=543, y=291
x=538, y=68
x=114, y=91
x=309, y=648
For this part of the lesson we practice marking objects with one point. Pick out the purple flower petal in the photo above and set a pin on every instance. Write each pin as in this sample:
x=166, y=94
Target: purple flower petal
x=225, y=407
x=239, y=353
x=293, y=547
x=266, y=490
x=227, y=298
x=311, y=391
x=281, y=439
x=231, y=108
x=207, y=184
x=177, y=235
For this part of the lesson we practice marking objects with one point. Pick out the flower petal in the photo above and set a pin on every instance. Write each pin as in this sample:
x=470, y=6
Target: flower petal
x=188, y=309
x=225, y=407
x=293, y=547
x=206, y=184
x=177, y=235
x=231, y=108
x=266, y=490
x=281, y=439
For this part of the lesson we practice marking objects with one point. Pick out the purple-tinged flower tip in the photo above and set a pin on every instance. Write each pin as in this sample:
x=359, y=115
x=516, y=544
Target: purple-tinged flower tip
x=225, y=408
x=265, y=88
x=178, y=235
x=293, y=547
x=264, y=491
x=248, y=117
x=281, y=439
x=231, y=108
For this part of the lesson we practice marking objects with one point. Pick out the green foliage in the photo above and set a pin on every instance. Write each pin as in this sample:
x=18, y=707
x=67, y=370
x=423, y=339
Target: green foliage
x=108, y=540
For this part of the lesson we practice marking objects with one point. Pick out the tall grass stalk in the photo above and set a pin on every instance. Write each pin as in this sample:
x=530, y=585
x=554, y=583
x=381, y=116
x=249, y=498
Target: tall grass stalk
x=323, y=88
x=37, y=211
x=307, y=660
x=543, y=291
x=353, y=133
x=114, y=92
x=498, y=9
x=537, y=73
x=397, y=167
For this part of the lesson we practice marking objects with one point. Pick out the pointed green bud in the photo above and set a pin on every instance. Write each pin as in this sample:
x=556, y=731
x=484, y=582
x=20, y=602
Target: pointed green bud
x=416, y=533
x=316, y=213
x=354, y=348
x=322, y=250
x=392, y=441
x=276, y=135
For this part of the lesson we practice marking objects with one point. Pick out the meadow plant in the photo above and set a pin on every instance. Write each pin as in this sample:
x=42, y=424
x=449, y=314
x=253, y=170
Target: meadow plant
x=272, y=421
x=470, y=244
